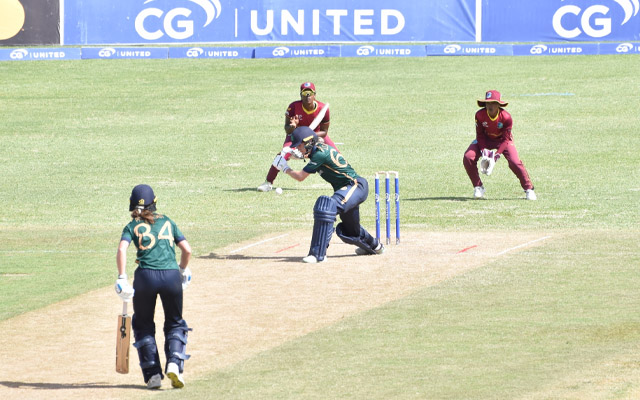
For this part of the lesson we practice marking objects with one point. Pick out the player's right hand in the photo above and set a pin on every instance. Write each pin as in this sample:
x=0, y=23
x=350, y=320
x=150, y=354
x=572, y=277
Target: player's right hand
x=123, y=288
x=294, y=121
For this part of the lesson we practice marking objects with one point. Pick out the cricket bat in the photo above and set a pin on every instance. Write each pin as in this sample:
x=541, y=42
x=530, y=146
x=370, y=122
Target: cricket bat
x=316, y=121
x=124, y=341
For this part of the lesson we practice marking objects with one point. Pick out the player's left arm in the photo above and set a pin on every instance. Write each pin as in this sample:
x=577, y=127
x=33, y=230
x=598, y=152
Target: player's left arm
x=185, y=253
x=298, y=175
x=323, y=129
x=507, y=123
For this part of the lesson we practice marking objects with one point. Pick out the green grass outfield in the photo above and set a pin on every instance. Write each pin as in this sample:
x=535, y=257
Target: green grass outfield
x=557, y=321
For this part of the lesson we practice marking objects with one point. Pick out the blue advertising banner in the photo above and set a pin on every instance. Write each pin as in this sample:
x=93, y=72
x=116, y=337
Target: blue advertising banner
x=89, y=53
x=211, y=52
x=619, y=48
x=303, y=21
x=470, y=50
x=39, y=54
x=572, y=49
x=297, y=51
x=560, y=20
x=368, y=50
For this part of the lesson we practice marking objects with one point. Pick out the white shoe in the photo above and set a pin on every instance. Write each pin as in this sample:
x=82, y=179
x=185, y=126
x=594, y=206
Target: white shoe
x=362, y=252
x=531, y=195
x=173, y=373
x=265, y=187
x=478, y=192
x=311, y=259
x=154, y=382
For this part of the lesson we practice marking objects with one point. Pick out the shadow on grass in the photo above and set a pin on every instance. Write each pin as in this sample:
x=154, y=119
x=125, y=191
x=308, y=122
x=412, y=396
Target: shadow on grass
x=67, y=386
x=451, y=198
x=297, y=259
x=252, y=189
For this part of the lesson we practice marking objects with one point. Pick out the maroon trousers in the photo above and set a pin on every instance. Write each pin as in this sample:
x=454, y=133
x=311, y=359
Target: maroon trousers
x=473, y=154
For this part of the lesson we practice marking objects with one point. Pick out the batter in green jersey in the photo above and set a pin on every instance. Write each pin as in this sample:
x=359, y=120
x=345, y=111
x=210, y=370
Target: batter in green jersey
x=350, y=190
x=155, y=237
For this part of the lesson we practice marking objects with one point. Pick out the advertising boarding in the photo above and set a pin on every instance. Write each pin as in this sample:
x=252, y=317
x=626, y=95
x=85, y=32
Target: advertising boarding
x=198, y=21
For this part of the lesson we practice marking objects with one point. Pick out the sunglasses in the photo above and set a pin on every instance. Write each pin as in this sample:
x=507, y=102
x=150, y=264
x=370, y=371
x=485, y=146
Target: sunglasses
x=307, y=92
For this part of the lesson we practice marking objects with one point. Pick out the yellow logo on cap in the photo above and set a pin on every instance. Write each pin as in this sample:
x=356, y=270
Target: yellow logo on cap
x=141, y=202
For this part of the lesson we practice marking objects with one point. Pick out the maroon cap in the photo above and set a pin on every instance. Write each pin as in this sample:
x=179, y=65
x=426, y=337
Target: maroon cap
x=308, y=85
x=492, y=96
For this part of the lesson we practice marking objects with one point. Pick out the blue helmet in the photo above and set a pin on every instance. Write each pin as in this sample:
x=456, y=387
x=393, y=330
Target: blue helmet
x=304, y=134
x=142, y=197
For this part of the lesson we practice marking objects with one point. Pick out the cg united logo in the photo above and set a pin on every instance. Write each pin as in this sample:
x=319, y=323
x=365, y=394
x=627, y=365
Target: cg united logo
x=194, y=52
x=452, y=49
x=153, y=23
x=365, y=50
x=106, y=52
x=18, y=54
x=538, y=49
x=594, y=21
x=280, y=51
x=624, y=48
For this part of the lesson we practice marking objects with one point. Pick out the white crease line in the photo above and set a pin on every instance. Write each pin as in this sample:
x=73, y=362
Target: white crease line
x=255, y=244
x=56, y=251
x=523, y=245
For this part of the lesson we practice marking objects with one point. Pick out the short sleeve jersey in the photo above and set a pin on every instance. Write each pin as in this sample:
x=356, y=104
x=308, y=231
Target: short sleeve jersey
x=155, y=243
x=331, y=165
x=493, y=130
x=306, y=118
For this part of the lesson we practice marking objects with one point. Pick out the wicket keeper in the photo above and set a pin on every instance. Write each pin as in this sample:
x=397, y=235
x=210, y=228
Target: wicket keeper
x=493, y=131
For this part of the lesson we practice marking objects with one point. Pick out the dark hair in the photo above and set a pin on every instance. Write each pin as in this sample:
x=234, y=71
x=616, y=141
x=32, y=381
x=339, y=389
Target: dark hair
x=147, y=216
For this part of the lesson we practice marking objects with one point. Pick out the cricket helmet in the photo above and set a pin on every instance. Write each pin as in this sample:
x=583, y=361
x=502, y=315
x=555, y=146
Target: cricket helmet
x=142, y=197
x=304, y=134
x=492, y=96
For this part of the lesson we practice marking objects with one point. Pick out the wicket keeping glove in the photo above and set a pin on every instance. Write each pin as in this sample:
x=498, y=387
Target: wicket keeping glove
x=281, y=164
x=186, y=277
x=488, y=161
x=123, y=289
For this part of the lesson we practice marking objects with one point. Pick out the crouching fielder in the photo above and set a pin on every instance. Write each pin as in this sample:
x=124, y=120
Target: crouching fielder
x=493, y=131
x=158, y=274
x=350, y=190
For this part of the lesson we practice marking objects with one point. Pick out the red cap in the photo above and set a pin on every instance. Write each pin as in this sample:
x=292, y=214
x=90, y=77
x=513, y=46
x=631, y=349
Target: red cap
x=492, y=96
x=308, y=85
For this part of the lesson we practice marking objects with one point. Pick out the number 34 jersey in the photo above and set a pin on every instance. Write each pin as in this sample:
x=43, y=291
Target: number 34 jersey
x=155, y=243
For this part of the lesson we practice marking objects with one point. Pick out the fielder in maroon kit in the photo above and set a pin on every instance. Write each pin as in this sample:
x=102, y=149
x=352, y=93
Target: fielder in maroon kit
x=301, y=113
x=493, y=131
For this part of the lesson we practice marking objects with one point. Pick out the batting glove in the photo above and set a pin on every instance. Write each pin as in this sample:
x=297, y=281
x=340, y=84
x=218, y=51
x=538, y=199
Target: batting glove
x=281, y=164
x=186, y=277
x=123, y=289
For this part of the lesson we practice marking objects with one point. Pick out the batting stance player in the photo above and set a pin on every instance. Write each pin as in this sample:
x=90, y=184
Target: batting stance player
x=493, y=131
x=301, y=113
x=158, y=273
x=350, y=190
